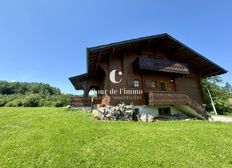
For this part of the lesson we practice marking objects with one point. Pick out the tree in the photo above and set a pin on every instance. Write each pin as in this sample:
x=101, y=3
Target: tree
x=219, y=94
x=228, y=88
x=34, y=94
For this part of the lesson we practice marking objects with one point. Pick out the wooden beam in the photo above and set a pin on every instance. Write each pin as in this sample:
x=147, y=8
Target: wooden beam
x=98, y=60
x=99, y=57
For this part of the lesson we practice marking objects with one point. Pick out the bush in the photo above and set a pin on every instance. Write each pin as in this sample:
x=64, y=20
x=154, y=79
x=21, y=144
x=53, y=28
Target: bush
x=2, y=102
x=223, y=107
x=15, y=94
x=31, y=101
x=14, y=103
x=58, y=103
x=45, y=102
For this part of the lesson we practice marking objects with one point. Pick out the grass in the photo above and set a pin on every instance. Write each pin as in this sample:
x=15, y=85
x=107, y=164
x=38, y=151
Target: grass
x=54, y=137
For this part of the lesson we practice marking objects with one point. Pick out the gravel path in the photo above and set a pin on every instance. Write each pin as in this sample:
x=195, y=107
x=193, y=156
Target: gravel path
x=222, y=118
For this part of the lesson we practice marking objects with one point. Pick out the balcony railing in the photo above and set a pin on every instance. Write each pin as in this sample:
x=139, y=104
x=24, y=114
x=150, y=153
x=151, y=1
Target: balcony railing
x=153, y=64
x=176, y=98
x=82, y=101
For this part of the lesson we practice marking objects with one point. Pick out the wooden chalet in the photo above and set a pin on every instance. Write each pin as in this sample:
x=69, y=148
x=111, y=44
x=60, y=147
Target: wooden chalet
x=167, y=71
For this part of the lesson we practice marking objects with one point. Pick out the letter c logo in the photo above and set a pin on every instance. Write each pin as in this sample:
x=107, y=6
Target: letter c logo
x=112, y=76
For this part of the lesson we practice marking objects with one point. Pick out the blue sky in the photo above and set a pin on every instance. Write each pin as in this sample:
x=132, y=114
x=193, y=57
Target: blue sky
x=46, y=40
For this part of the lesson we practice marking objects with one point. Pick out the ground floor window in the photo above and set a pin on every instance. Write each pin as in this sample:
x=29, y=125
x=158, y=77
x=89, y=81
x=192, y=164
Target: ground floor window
x=164, y=111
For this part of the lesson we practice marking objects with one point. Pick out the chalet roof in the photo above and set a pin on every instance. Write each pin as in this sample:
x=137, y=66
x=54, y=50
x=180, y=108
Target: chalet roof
x=177, y=49
x=75, y=80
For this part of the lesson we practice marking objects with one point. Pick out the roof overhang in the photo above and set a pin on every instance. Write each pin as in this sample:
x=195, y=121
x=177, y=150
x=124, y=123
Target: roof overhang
x=203, y=66
x=77, y=80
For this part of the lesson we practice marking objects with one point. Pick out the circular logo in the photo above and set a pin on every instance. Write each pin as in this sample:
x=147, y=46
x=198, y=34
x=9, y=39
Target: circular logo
x=113, y=76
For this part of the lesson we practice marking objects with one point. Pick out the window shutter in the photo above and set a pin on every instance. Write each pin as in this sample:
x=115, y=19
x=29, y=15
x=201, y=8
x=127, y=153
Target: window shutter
x=131, y=83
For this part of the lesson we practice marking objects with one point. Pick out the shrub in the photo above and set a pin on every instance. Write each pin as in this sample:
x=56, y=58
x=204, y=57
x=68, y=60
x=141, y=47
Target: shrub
x=31, y=101
x=14, y=103
x=2, y=102
x=223, y=107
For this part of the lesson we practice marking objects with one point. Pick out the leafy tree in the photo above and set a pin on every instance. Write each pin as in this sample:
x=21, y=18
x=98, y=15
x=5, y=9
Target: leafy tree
x=228, y=88
x=219, y=95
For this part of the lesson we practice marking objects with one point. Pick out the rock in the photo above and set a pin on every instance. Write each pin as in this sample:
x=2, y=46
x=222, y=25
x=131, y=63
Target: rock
x=143, y=117
x=130, y=112
x=95, y=113
x=150, y=118
x=147, y=117
x=118, y=112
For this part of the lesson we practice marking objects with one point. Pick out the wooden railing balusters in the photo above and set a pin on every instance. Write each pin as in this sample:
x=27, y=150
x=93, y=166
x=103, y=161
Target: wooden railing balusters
x=176, y=98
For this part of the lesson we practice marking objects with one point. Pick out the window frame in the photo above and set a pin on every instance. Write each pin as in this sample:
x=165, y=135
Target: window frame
x=149, y=84
x=136, y=83
x=155, y=84
x=164, y=111
x=161, y=87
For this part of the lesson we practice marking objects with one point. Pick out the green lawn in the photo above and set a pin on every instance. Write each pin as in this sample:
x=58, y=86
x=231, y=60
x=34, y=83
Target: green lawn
x=54, y=137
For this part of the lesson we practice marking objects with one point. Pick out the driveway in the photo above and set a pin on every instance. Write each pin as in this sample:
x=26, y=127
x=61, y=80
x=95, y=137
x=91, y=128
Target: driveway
x=221, y=118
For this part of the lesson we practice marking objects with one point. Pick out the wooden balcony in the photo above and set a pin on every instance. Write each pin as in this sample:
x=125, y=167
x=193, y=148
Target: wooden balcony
x=153, y=64
x=156, y=98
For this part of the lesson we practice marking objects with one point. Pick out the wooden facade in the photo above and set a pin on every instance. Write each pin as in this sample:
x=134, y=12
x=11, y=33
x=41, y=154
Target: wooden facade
x=167, y=71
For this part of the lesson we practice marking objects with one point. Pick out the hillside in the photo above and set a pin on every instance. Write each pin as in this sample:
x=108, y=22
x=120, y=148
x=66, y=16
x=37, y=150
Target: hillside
x=54, y=137
x=17, y=94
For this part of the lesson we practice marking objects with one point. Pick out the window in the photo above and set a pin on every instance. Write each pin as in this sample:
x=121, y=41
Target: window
x=163, y=86
x=136, y=83
x=153, y=84
x=164, y=111
x=150, y=84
